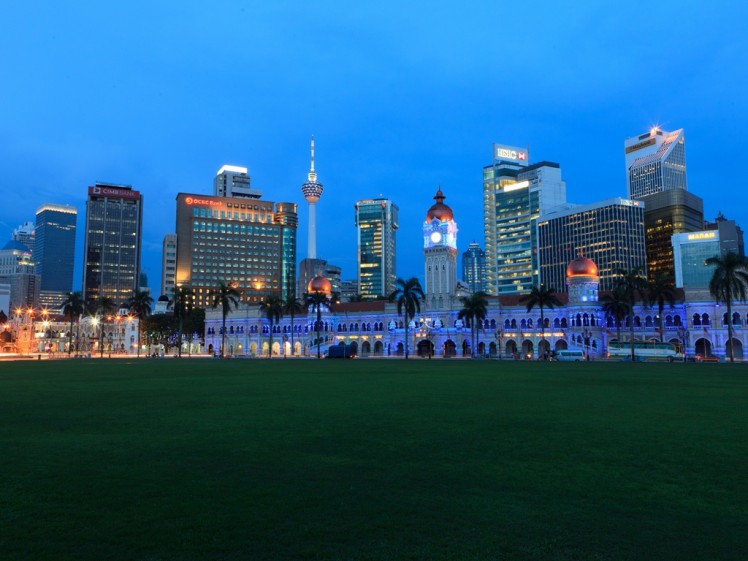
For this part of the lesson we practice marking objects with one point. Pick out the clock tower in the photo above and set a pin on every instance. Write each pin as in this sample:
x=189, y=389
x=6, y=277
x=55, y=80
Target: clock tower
x=440, y=254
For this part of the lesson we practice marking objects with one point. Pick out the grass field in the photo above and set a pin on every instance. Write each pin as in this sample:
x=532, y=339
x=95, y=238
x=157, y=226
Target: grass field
x=163, y=460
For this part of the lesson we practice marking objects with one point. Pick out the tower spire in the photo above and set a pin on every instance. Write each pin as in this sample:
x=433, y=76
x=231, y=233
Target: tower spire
x=312, y=177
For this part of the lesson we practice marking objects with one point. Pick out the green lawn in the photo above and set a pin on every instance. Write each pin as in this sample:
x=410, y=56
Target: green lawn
x=360, y=460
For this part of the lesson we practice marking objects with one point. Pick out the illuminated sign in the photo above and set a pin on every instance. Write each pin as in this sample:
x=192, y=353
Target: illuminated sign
x=194, y=201
x=102, y=191
x=702, y=236
x=502, y=152
x=649, y=142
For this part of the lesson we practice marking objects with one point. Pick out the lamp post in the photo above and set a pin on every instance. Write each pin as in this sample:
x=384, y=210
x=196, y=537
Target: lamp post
x=586, y=334
x=683, y=336
x=499, y=336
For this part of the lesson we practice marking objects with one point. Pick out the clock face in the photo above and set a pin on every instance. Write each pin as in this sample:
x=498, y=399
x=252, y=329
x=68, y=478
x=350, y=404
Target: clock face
x=436, y=237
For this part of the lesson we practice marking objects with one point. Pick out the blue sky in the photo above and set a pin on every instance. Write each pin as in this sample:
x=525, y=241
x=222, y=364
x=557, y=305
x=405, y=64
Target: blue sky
x=400, y=97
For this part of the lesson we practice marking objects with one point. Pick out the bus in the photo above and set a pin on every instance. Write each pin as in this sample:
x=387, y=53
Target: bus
x=645, y=350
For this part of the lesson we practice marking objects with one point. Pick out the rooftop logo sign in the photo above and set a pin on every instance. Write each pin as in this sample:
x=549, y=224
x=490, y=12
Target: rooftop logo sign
x=195, y=201
x=510, y=153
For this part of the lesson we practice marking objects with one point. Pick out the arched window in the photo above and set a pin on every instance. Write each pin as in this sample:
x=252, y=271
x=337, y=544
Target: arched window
x=523, y=324
x=493, y=324
x=648, y=321
x=506, y=324
x=677, y=321
x=736, y=319
x=556, y=323
x=564, y=323
x=705, y=319
x=514, y=324
x=696, y=320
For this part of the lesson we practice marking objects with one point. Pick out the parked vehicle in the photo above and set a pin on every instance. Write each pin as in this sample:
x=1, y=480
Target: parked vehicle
x=645, y=350
x=568, y=355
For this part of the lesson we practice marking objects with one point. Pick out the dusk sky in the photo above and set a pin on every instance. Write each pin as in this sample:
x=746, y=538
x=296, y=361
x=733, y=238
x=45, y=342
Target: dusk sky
x=400, y=96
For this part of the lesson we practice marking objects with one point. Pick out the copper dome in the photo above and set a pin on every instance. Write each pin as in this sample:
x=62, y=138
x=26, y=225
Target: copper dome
x=582, y=266
x=320, y=284
x=440, y=211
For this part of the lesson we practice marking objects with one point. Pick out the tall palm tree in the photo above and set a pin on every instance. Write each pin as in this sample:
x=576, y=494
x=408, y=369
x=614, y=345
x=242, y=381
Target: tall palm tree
x=661, y=291
x=728, y=284
x=633, y=285
x=102, y=306
x=140, y=305
x=182, y=306
x=292, y=306
x=226, y=296
x=474, y=310
x=408, y=296
x=615, y=306
x=272, y=307
x=72, y=306
x=541, y=297
x=315, y=300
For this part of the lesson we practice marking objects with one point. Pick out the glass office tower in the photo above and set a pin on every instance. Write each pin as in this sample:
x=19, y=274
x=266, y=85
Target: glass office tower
x=54, y=251
x=376, y=223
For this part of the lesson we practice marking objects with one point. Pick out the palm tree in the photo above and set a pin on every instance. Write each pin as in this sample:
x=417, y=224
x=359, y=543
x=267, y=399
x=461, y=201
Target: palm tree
x=103, y=306
x=543, y=298
x=71, y=307
x=292, y=306
x=408, y=296
x=226, y=296
x=633, y=285
x=315, y=301
x=661, y=291
x=616, y=306
x=474, y=310
x=182, y=306
x=272, y=307
x=729, y=283
x=140, y=305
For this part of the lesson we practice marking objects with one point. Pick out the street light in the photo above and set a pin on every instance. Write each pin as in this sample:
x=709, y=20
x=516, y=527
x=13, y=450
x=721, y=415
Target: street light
x=586, y=334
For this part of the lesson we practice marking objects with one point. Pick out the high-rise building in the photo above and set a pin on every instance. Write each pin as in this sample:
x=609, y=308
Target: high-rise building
x=249, y=243
x=17, y=271
x=234, y=181
x=514, y=195
x=440, y=254
x=377, y=223
x=730, y=234
x=169, y=266
x=54, y=252
x=610, y=232
x=655, y=162
x=114, y=217
x=25, y=234
x=674, y=211
x=473, y=267
x=308, y=269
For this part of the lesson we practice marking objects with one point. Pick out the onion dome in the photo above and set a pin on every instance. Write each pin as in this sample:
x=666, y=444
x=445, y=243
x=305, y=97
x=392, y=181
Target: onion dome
x=440, y=211
x=320, y=284
x=163, y=298
x=582, y=266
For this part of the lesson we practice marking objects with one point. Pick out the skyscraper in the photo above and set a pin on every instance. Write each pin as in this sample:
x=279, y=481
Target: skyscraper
x=655, y=162
x=17, y=272
x=249, y=243
x=514, y=195
x=54, y=252
x=114, y=217
x=440, y=254
x=473, y=267
x=610, y=232
x=312, y=191
x=169, y=266
x=234, y=181
x=377, y=222
x=25, y=234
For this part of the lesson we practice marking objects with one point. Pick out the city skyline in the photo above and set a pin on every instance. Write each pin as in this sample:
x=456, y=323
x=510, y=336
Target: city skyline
x=411, y=106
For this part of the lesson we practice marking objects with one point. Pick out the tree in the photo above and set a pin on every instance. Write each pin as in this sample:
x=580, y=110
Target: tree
x=102, y=306
x=182, y=306
x=315, y=300
x=661, y=291
x=226, y=296
x=633, y=286
x=140, y=305
x=728, y=284
x=474, y=310
x=72, y=306
x=272, y=307
x=541, y=297
x=408, y=296
x=615, y=306
x=292, y=306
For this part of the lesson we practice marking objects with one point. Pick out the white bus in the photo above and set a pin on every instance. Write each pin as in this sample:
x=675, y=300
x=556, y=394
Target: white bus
x=644, y=350
x=567, y=355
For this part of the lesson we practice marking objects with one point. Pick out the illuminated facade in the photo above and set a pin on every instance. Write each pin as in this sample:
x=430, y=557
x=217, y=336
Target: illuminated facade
x=666, y=213
x=610, y=232
x=234, y=181
x=440, y=254
x=655, y=162
x=514, y=195
x=169, y=266
x=473, y=267
x=376, y=223
x=249, y=242
x=114, y=216
x=690, y=252
x=54, y=251
x=18, y=273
